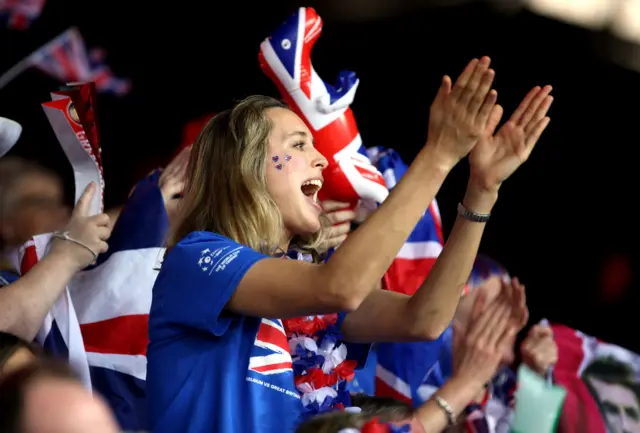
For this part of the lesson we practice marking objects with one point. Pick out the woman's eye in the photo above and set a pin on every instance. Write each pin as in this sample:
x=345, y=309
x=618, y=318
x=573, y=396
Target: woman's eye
x=299, y=145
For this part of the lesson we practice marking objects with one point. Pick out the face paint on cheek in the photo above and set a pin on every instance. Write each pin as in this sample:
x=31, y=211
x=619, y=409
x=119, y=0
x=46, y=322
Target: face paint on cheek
x=278, y=164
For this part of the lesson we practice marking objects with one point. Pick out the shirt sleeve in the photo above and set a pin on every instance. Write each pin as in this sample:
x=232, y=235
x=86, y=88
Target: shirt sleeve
x=358, y=352
x=197, y=279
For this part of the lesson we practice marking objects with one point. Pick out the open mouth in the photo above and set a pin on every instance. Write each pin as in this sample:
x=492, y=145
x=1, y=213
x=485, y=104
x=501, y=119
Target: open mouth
x=310, y=189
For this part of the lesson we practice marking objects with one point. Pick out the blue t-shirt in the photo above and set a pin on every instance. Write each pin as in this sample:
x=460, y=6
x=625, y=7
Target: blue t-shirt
x=7, y=277
x=210, y=370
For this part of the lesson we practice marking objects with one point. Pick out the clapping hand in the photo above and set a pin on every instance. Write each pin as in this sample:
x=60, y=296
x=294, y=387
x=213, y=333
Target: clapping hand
x=498, y=154
x=514, y=292
x=539, y=350
x=460, y=113
x=478, y=350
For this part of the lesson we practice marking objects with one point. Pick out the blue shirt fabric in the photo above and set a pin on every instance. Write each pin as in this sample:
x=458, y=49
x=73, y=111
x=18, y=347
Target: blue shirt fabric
x=7, y=277
x=210, y=370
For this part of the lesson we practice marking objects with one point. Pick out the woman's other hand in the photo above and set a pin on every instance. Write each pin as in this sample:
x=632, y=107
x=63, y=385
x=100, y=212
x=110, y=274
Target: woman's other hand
x=497, y=156
x=340, y=215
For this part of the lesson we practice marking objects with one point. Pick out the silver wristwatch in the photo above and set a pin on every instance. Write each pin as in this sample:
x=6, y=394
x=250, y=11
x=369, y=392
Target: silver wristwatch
x=472, y=216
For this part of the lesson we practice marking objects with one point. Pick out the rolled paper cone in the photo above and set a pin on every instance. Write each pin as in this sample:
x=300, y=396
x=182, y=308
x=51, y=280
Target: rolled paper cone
x=84, y=157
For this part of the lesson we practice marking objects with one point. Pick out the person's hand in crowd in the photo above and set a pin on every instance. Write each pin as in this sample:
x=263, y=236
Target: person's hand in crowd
x=539, y=350
x=172, y=181
x=514, y=291
x=478, y=351
x=498, y=154
x=90, y=231
x=460, y=112
x=340, y=217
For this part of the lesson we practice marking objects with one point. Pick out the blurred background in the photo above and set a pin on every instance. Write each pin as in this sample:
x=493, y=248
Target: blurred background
x=565, y=223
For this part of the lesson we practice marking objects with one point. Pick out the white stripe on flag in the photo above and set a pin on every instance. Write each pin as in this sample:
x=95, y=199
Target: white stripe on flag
x=133, y=365
x=393, y=381
x=420, y=250
x=121, y=286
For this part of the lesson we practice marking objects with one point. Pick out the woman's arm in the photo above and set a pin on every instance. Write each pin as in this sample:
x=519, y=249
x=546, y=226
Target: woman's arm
x=390, y=316
x=426, y=314
x=25, y=302
x=279, y=288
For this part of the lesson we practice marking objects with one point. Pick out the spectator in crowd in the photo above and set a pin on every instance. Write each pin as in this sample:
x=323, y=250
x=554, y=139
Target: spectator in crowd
x=25, y=302
x=492, y=407
x=31, y=203
x=479, y=358
x=45, y=396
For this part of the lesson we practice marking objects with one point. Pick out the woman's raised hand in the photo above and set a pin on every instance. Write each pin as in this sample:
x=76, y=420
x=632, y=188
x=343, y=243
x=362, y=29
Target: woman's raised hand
x=460, y=113
x=496, y=157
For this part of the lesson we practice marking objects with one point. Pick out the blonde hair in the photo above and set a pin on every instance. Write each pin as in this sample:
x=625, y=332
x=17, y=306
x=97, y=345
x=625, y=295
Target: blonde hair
x=382, y=408
x=226, y=190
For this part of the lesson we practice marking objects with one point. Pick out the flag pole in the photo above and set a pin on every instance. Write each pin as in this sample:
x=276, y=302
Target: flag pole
x=27, y=62
x=16, y=70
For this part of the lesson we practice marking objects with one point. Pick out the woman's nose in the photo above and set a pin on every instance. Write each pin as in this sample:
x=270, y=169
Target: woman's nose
x=320, y=160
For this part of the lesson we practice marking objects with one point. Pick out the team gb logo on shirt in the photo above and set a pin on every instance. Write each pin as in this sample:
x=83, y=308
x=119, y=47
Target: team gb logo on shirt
x=206, y=259
x=217, y=260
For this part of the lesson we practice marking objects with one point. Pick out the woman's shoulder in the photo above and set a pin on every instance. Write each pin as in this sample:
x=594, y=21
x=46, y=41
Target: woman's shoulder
x=208, y=244
x=202, y=237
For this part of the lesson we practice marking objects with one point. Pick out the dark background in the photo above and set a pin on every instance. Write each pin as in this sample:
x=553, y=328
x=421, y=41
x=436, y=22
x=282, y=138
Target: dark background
x=570, y=207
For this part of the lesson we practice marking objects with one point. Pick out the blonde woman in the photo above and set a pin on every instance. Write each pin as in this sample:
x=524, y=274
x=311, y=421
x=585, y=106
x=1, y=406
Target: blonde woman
x=219, y=359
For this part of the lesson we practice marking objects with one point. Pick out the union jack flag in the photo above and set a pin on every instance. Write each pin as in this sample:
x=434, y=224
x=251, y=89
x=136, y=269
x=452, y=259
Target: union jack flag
x=67, y=59
x=21, y=13
x=271, y=349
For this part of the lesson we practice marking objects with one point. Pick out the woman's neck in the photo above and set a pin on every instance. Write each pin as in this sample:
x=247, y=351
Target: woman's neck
x=285, y=240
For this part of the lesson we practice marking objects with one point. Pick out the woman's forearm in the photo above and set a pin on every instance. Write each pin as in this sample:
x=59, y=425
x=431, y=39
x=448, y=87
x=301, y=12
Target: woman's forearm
x=380, y=238
x=432, y=307
x=25, y=302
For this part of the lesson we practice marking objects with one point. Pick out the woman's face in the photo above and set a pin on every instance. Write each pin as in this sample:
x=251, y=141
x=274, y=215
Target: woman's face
x=294, y=172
